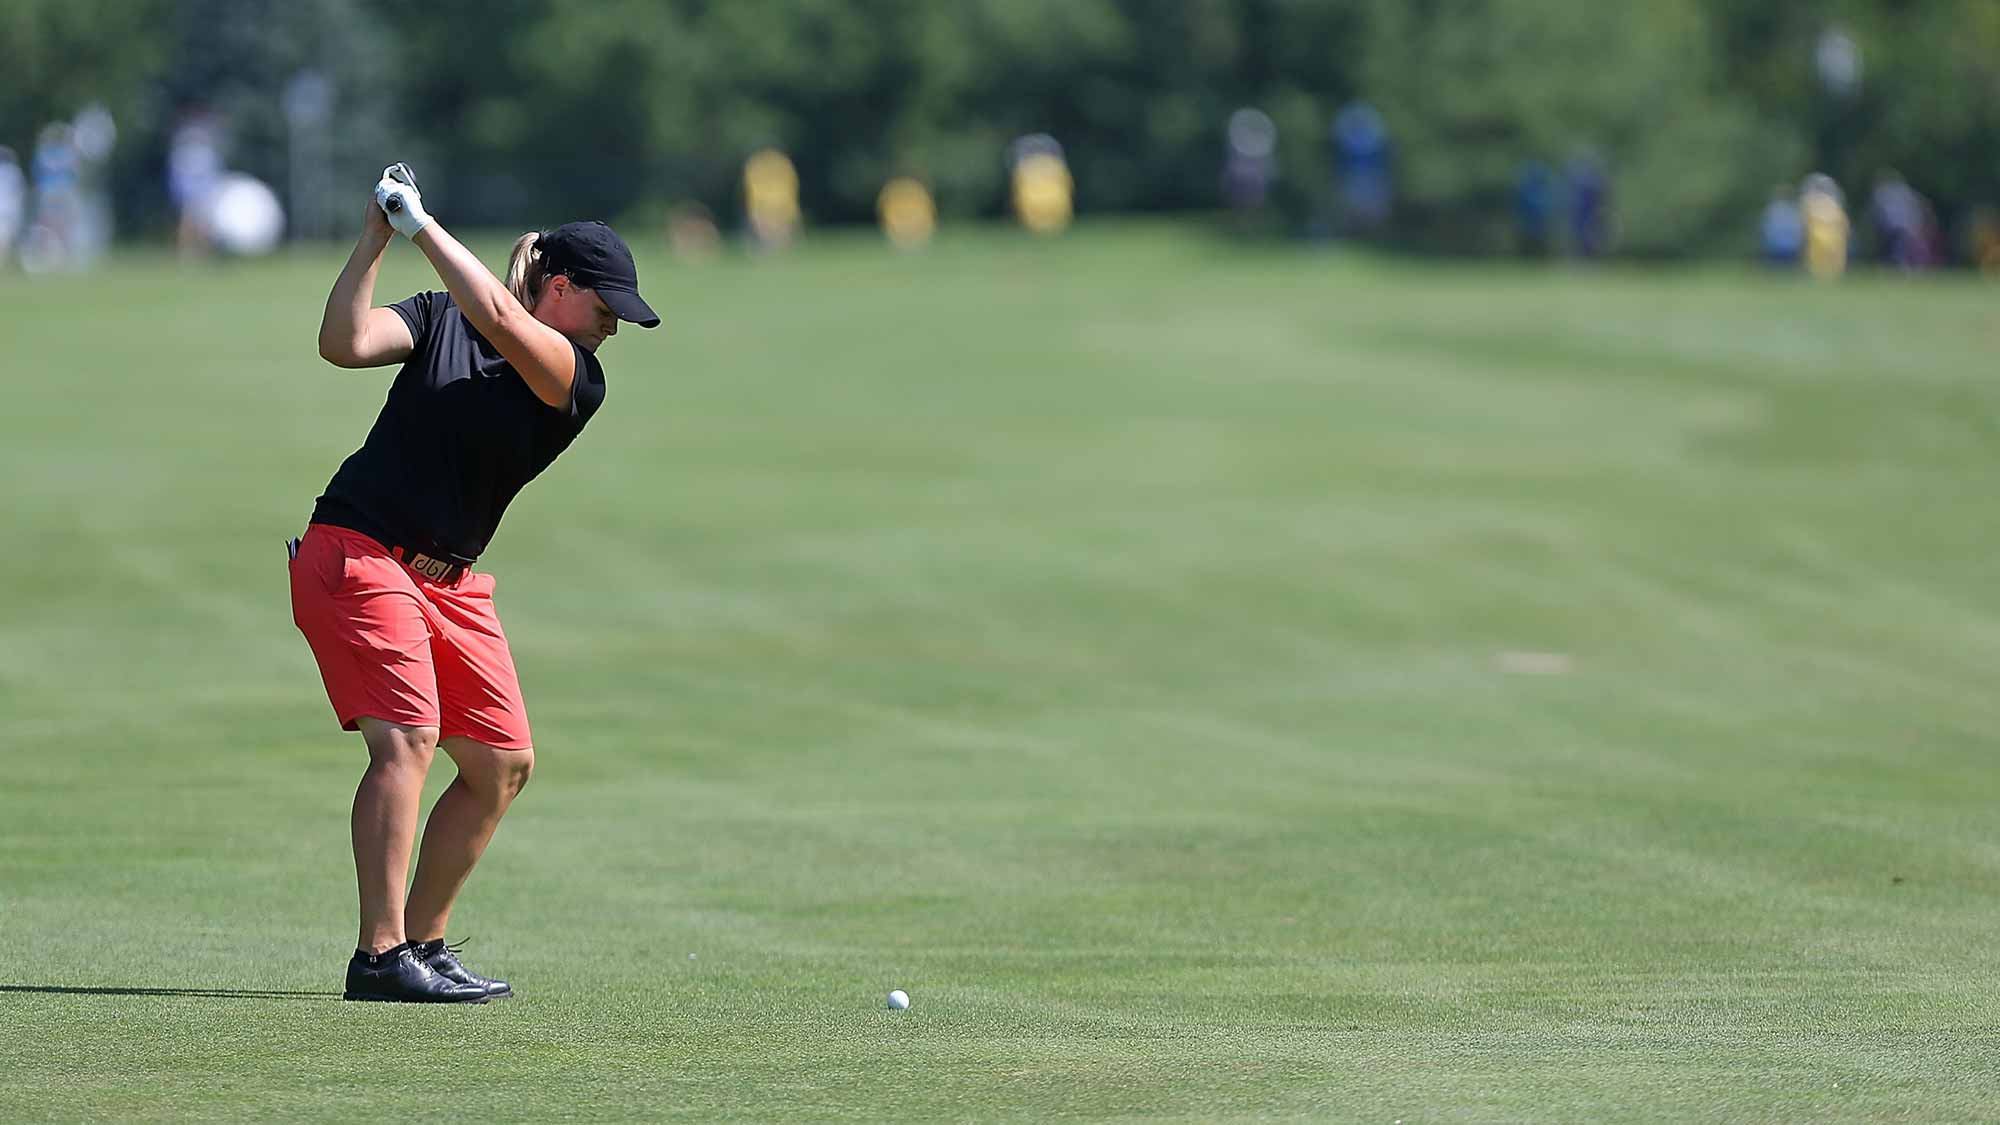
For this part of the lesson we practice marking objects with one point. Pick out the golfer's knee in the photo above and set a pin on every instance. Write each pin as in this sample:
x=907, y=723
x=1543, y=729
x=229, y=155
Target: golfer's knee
x=393, y=746
x=515, y=769
x=501, y=778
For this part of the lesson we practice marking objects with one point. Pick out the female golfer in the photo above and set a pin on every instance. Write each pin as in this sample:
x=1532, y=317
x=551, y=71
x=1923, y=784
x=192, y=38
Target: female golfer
x=497, y=379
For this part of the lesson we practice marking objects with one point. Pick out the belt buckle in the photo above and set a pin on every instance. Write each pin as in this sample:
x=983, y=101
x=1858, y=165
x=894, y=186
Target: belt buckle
x=433, y=569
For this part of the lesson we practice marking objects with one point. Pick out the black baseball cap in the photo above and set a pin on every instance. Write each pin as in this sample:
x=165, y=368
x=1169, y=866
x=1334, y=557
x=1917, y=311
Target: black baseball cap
x=594, y=257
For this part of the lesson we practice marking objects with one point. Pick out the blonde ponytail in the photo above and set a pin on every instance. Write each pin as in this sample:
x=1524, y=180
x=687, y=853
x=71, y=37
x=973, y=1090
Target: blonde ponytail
x=525, y=271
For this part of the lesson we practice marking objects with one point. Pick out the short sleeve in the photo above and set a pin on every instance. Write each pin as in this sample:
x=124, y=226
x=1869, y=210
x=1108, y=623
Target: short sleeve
x=420, y=312
x=587, y=389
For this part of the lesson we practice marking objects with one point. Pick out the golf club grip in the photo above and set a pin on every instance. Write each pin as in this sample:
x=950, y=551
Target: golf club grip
x=399, y=172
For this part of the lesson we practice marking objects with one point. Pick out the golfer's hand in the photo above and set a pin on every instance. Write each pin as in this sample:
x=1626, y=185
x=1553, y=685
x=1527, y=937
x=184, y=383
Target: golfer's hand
x=375, y=224
x=396, y=193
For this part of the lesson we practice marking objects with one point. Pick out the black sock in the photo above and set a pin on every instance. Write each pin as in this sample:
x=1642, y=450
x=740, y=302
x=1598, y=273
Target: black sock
x=426, y=948
x=366, y=957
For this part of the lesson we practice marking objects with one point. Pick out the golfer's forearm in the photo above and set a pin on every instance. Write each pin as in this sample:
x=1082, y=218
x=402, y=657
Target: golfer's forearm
x=478, y=294
x=353, y=294
x=545, y=360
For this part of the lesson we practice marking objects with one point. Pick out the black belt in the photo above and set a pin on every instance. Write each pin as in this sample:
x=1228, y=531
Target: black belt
x=444, y=572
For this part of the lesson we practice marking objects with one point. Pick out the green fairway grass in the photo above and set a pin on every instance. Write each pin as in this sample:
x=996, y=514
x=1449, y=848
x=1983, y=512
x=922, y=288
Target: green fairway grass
x=1215, y=683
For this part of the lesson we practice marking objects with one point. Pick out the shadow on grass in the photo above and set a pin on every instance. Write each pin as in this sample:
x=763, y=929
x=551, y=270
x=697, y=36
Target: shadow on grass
x=225, y=993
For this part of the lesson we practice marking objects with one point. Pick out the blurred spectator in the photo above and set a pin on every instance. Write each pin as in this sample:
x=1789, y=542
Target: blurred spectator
x=1893, y=213
x=1982, y=238
x=13, y=202
x=1825, y=211
x=1900, y=221
x=771, y=199
x=1782, y=232
x=1250, y=164
x=1361, y=154
x=1932, y=235
x=1044, y=191
x=94, y=133
x=194, y=169
x=691, y=233
x=907, y=213
x=50, y=243
x=1535, y=208
x=1589, y=206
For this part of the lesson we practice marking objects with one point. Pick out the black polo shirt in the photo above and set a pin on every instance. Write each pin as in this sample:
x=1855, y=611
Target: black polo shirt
x=460, y=435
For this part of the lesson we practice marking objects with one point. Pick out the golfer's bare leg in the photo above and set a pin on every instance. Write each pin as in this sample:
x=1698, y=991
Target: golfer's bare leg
x=386, y=807
x=461, y=823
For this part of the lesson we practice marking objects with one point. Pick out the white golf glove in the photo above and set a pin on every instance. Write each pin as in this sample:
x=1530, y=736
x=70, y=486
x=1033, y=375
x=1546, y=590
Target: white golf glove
x=396, y=193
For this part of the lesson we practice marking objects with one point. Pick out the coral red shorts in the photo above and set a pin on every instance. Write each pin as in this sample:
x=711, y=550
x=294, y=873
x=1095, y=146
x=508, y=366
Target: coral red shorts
x=394, y=645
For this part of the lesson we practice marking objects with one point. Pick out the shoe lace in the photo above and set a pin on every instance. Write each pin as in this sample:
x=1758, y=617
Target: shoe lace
x=455, y=950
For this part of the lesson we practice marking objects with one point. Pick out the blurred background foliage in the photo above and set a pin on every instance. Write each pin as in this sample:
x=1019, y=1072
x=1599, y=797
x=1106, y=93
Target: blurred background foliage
x=520, y=112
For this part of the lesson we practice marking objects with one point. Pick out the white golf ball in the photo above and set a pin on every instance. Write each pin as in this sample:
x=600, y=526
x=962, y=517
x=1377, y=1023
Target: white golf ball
x=899, y=999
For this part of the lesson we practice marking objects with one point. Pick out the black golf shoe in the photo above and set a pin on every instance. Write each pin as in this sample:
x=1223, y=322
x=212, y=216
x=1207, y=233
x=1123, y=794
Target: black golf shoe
x=399, y=975
x=443, y=960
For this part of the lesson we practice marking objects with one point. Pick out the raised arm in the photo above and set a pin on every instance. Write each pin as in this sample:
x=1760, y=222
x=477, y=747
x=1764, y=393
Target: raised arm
x=544, y=357
x=351, y=332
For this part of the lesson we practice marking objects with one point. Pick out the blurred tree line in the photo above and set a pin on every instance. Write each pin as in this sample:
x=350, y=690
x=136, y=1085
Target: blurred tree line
x=522, y=112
